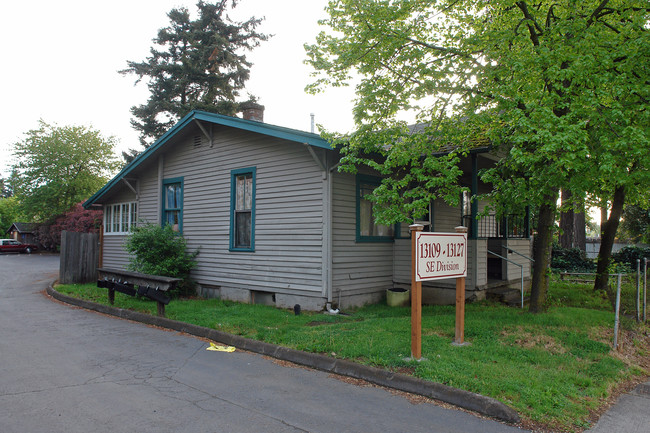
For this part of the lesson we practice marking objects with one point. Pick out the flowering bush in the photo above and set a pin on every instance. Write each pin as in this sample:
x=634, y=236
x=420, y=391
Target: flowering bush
x=76, y=219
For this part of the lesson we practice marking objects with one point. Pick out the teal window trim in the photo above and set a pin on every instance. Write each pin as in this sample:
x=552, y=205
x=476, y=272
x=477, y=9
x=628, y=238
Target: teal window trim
x=362, y=179
x=398, y=232
x=179, y=209
x=473, y=229
x=233, y=211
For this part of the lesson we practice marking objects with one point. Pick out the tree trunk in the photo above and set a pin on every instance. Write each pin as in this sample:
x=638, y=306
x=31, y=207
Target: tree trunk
x=580, y=231
x=542, y=255
x=567, y=221
x=572, y=224
x=607, y=238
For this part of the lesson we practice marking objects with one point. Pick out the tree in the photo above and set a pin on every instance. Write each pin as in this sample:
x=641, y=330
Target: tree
x=76, y=219
x=573, y=225
x=194, y=64
x=6, y=189
x=560, y=89
x=9, y=213
x=636, y=224
x=57, y=167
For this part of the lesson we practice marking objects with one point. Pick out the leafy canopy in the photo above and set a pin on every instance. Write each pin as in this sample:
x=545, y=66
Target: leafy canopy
x=57, y=167
x=194, y=64
x=560, y=89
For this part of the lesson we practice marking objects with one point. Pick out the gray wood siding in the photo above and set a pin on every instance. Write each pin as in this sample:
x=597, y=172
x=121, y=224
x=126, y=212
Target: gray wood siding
x=114, y=254
x=149, y=190
x=481, y=262
x=445, y=218
x=288, y=211
x=358, y=267
x=402, y=261
x=522, y=246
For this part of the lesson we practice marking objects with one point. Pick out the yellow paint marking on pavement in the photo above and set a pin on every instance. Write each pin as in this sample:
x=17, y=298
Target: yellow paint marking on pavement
x=215, y=348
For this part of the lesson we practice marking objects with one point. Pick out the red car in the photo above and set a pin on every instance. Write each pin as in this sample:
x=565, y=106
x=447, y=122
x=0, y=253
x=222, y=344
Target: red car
x=12, y=246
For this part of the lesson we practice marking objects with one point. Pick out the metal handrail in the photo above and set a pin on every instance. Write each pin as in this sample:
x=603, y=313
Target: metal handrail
x=518, y=253
x=521, y=267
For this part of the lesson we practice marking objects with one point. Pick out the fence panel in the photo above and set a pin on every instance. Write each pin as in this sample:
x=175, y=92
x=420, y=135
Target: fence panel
x=79, y=257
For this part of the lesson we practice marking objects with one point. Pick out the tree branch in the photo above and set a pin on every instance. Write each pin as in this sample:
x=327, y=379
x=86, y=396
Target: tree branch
x=596, y=12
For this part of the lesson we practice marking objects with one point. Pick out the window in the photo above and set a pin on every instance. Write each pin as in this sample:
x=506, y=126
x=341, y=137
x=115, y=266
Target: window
x=120, y=218
x=466, y=209
x=367, y=229
x=427, y=219
x=172, y=212
x=242, y=210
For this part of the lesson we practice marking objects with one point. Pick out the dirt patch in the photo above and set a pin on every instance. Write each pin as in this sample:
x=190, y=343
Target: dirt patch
x=529, y=340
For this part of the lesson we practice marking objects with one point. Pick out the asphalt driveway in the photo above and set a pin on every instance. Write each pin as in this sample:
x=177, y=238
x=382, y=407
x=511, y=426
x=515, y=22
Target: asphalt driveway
x=65, y=369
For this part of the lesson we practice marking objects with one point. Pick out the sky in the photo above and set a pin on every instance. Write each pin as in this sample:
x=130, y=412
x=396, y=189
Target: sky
x=61, y=61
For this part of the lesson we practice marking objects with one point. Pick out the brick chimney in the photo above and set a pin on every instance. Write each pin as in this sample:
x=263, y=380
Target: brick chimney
x=252, y=111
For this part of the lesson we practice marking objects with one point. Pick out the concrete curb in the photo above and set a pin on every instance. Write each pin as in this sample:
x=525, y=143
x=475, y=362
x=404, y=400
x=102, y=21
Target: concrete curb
x=458, y=397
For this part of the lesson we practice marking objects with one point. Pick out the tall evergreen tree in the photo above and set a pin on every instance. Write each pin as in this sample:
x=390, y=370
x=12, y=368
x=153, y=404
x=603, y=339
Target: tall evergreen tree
x=194, y=64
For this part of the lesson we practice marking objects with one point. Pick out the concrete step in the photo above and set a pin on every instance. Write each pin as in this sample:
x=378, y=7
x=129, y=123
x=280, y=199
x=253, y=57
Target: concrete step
x=505, y=295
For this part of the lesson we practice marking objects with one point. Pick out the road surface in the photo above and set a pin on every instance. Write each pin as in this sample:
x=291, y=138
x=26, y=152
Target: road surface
x=65, y=369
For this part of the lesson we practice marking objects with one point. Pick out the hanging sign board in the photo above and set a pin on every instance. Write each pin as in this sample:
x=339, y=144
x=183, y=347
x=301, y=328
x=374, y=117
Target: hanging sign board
x=440, y=256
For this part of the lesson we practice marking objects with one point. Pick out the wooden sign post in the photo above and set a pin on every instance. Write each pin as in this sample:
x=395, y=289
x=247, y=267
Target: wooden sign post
x=437, y=256
x=416, y=297
x=459, y=339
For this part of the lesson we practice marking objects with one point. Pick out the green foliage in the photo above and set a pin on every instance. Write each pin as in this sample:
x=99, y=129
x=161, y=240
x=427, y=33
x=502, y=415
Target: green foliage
x=195, y=64
x=571, y=259
x=157, y=250
x=628, y=256
x=58, y=167
x=558, y=90
x=635, y=225
x=9, y=212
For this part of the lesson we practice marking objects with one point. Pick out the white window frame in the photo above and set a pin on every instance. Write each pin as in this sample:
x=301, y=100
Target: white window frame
x=120, y=218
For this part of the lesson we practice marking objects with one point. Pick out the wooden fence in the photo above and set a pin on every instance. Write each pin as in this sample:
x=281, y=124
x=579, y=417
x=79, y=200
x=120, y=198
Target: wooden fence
x=79, y=257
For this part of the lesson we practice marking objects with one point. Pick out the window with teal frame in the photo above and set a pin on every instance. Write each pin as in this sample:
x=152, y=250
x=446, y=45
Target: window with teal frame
x=367, y=229
x=172, y=203
x=242, y=209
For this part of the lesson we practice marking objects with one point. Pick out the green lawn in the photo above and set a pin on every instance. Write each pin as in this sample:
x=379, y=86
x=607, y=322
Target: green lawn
x=553, y=368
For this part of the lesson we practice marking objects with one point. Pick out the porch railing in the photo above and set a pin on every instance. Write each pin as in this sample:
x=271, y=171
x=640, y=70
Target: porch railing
x=489, y=226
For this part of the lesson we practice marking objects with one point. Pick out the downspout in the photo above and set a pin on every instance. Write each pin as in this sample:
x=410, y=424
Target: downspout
x=161, y=167
x=330, y=242
x=326, y=261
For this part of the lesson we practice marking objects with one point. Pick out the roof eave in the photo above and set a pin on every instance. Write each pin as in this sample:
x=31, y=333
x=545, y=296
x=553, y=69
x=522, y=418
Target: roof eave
x=235, y=122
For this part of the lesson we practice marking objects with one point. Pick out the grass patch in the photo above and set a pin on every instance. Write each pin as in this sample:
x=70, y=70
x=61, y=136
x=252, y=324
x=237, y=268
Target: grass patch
x=554, y=368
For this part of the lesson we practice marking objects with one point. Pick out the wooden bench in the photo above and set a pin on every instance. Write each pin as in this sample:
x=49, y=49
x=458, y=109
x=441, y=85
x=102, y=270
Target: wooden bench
x=574, y=277
x=135, y=283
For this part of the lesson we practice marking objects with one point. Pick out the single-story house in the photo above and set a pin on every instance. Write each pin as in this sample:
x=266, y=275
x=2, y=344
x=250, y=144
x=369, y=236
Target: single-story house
x=22, y=232
x=277, y=223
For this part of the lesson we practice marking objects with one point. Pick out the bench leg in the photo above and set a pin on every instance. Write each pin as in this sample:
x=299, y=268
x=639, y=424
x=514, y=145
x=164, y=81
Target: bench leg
x=111, y=296
x=161, y=309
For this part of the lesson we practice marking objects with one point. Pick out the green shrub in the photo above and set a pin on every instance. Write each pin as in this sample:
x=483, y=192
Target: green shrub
x=161, y=251
x=628, y=255
x=571, y=259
